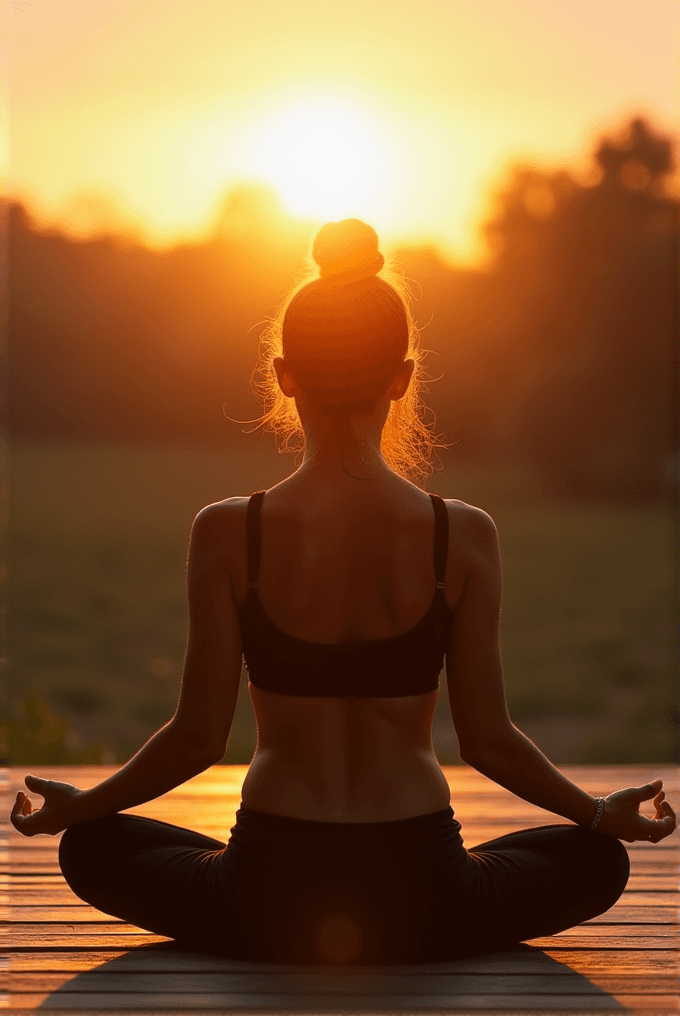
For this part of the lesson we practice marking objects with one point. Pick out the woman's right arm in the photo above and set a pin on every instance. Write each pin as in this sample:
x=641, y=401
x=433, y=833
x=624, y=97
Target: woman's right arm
x=488, y=739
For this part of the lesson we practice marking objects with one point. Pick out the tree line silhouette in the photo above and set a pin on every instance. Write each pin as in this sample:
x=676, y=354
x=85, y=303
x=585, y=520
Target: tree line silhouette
x=560, y=354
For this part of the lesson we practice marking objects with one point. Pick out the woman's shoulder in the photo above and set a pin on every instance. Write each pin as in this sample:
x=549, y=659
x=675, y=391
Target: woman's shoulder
x=229, y=512
x=217, y=538
x=472, y=532
x=229, y=508
x=475, y=520
x=220, y=524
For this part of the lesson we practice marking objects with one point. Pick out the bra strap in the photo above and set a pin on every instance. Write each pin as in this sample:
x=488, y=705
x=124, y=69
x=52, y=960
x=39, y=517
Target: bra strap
x=254, y=536
x=441, y=538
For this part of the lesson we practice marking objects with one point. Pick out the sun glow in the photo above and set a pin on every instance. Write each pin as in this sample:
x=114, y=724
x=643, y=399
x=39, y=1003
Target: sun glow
x=326, y=158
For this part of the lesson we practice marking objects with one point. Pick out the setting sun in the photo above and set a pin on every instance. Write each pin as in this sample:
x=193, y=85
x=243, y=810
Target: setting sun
x=326, y=158
x=142, y=117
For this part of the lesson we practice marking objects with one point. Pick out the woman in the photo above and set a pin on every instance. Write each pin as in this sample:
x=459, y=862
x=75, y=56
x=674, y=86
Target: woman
x=344, y=586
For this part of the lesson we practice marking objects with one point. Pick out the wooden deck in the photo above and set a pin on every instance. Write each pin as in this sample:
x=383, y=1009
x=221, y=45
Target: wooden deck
x=65, y=956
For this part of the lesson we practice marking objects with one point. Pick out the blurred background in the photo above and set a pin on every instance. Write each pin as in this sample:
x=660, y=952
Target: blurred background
x=166, y=167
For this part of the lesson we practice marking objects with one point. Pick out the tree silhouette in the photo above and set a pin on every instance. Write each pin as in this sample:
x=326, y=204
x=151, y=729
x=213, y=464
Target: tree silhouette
x=560, y=354
x=640, y=160
x=585, y=295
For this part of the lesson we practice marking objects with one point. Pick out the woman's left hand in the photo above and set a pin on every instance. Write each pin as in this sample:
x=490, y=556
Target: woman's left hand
x=60, y=809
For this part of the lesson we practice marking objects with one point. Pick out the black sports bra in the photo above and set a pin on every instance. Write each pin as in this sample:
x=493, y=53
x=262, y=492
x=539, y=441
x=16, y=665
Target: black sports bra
x=407, y=664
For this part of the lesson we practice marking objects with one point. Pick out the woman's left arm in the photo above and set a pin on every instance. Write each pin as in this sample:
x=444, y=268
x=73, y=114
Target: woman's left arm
x=196, y=736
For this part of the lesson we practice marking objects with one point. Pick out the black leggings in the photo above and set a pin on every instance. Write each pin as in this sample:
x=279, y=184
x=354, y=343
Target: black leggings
x=288, y=890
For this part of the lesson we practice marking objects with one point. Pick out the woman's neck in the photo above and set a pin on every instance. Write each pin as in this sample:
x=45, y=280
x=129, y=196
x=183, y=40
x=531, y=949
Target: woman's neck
x=340, y=447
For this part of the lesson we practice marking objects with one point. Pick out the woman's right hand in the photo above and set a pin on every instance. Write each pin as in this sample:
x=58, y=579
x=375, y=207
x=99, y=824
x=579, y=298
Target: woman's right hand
x=621, y=816
x=62, y=807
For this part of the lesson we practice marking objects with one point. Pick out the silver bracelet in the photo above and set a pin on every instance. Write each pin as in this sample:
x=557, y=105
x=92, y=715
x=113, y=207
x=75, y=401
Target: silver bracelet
x=598, y=814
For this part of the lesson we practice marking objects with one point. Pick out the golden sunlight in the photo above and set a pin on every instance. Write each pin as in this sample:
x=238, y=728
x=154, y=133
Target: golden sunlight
x=326, y=158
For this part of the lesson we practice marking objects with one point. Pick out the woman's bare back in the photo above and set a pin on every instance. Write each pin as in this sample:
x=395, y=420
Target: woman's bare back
x=345, y=563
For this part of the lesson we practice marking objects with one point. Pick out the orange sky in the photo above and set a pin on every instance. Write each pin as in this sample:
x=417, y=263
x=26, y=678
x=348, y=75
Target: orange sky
x=402, y=113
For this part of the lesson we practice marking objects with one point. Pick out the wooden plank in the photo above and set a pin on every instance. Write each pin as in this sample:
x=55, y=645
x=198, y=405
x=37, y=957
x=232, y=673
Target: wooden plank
x=585, y=962
x=42, y=935
x=601, y=929
x=33, y=880
x=645, y=880
x=617, y=916
x=65, y=914
x=546, y=1008
x=620, y=913
x=44, y=895
x=632, y=961
x=345, y=984
x=646, y=896
x=614, y=942
x=52, y=890
x=125, y=936
x=650, y=897
x=274, y=1004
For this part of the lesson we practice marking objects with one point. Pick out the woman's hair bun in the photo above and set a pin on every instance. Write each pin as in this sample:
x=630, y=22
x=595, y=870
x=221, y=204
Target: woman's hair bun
x=348, y=248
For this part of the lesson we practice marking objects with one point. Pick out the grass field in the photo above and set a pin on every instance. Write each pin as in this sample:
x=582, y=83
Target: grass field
x=97, y=615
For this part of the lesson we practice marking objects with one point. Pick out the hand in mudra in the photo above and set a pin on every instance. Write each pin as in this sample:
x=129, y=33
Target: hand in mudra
x=621, y=816
x=58, y=811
